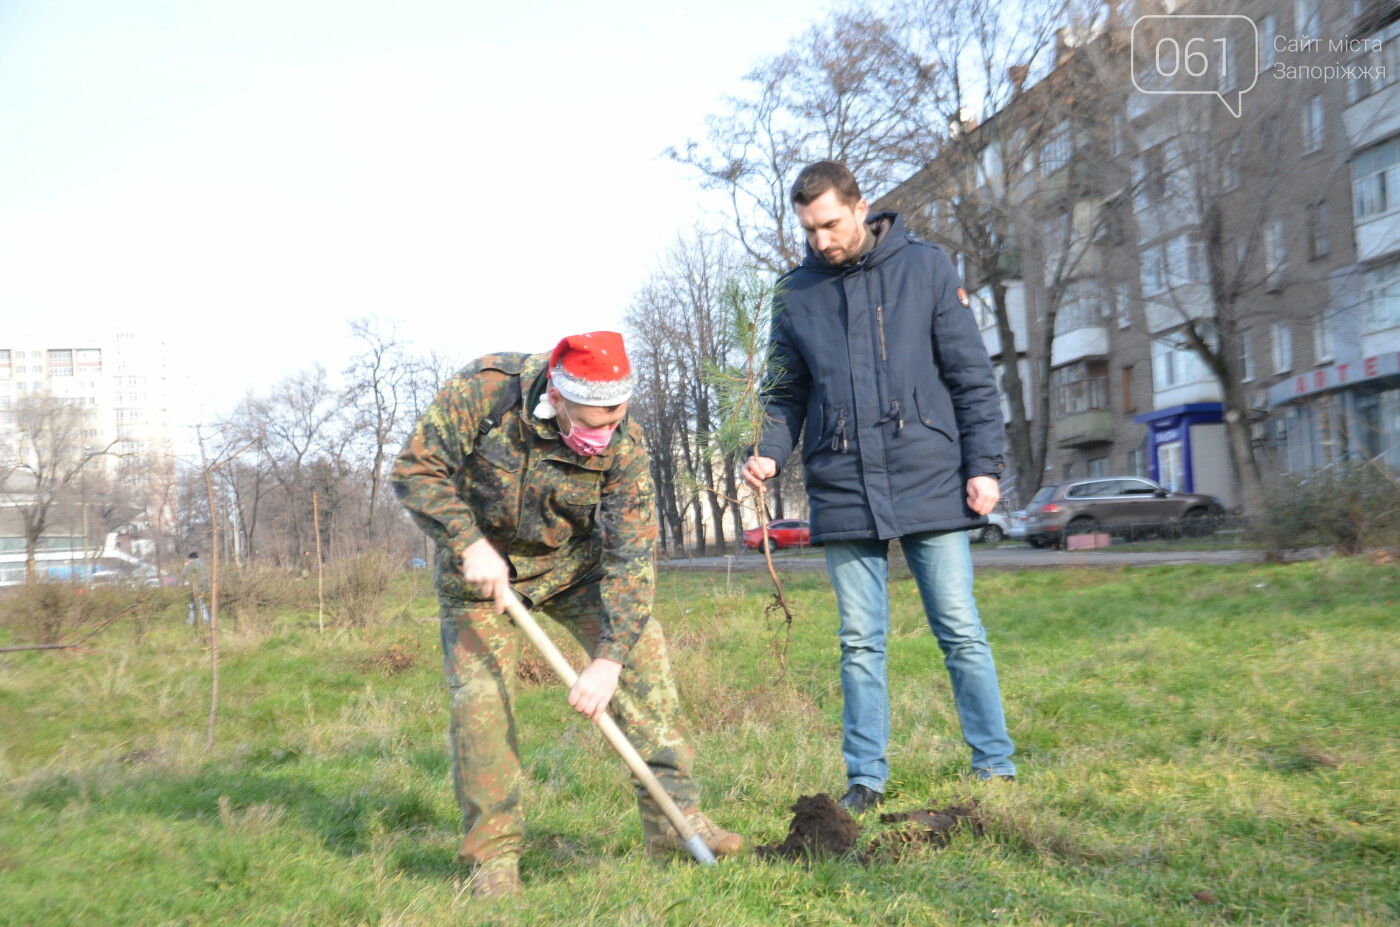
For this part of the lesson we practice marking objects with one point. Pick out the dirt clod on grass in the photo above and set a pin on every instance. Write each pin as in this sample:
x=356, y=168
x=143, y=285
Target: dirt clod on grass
x=927, y=827
x=820, y=828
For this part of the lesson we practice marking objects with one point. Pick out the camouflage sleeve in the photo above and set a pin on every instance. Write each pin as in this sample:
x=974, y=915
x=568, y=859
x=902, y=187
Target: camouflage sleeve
x=425, y=471
x=628, y=517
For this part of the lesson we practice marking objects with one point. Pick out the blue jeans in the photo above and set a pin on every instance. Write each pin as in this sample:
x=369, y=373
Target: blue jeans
x=203, y=610
x=941, y=562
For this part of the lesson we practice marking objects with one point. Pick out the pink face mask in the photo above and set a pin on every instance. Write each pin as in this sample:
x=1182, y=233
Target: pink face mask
x=588, y=442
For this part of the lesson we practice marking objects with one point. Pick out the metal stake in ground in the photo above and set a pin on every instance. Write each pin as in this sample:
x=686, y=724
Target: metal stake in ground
x=612, y=733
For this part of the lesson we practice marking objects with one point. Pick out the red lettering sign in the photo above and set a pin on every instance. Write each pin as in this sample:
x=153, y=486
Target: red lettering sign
x=1342, y=372
x=1320, y=379
x=1300, y=387
x=1369, y=365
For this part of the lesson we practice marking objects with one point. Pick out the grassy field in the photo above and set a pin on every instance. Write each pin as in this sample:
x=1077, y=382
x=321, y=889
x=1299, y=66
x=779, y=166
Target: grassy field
x=1197, y=745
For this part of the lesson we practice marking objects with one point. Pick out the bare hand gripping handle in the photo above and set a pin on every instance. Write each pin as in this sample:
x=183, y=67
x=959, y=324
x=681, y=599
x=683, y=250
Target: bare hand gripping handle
x=612, y=733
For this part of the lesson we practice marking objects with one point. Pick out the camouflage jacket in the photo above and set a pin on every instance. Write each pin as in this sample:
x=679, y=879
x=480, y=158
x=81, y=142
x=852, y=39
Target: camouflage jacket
x=558, y=518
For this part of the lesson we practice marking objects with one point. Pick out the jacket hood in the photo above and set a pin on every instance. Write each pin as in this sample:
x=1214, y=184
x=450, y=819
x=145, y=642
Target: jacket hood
x=890, y=236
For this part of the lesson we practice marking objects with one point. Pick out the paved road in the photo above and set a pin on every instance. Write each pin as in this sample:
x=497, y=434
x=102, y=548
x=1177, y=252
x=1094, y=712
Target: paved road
x=997, y=558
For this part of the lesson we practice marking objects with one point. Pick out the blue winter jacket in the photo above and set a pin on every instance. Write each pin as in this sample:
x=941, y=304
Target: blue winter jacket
x=886, y=368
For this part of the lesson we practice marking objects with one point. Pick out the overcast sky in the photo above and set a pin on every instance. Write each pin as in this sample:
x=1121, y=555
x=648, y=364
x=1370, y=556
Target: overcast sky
x=245, y=177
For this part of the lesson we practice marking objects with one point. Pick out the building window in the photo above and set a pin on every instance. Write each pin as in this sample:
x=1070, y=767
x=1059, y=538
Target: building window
x=4, y=357
x=1268, y=54
x=1228, y=81
x=1149, y=178
x=1154, y=271
x=1232, y=175
x=1321, y=232
x=1313, y=125
x=1082, y=306
x=1274, y=253
x=1307, y=18
x=1283, y=347
x=60, y=371
x=1123, y=304
x=1380, y=297
x=1098, y=467
x=60, y=356
x=1175, y=364
x=1322, y=340
x=1079, y=387
x=1246, y=356
x=1374, y=174
x=1136, y=462
x=1057, y=149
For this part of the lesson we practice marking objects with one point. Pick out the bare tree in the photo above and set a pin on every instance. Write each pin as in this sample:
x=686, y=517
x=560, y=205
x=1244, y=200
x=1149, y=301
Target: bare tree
x=50, y=457
x=848, y=89
x=1223, y=224
x=379, y=386
x=677, y=326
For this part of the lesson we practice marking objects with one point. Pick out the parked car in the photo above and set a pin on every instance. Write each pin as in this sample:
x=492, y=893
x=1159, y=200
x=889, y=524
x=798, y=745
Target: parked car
x=1017, y=531
x=998, y=526
x=785, y=532
x=1128, y=506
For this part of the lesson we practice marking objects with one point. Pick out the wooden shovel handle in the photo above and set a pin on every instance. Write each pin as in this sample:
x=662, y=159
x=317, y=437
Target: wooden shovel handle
x=611, y=732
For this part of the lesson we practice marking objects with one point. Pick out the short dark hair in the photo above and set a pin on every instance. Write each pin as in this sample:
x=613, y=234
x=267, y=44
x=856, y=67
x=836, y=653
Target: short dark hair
x=194, y=555
x=821, y=176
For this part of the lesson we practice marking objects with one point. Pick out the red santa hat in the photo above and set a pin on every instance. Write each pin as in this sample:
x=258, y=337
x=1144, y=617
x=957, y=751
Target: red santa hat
x=592, y=369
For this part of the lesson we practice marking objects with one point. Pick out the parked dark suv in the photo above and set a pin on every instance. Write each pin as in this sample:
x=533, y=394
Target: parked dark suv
x=1128, y=506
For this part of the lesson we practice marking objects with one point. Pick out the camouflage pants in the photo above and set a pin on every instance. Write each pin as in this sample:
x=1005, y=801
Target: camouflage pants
x=479, y=653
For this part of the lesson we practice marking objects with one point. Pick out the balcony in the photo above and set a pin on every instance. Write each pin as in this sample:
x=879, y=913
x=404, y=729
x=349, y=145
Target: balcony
x=1093, y=427
x=1082, y=414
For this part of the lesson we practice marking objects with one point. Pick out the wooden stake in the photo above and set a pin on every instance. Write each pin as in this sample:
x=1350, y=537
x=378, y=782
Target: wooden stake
x=320, y=582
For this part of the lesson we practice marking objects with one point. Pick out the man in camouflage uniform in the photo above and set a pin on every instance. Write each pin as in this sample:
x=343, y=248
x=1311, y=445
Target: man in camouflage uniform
x=556, y=504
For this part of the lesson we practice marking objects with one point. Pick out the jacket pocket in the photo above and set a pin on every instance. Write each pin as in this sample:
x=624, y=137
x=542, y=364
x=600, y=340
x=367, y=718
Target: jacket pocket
x=929, y=415
x=572, y=508
x=499, y=452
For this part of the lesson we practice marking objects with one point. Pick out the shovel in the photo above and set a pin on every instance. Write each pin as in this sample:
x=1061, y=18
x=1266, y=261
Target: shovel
x=611, y=732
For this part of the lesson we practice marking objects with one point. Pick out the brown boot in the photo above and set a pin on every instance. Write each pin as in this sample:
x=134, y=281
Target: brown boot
x=496, y=878
x=661, y=839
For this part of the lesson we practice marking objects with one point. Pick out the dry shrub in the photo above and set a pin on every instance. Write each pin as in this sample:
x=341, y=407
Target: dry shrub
x=355, y=588
x=250, y=593
x=1348, y=505
x=46, y=613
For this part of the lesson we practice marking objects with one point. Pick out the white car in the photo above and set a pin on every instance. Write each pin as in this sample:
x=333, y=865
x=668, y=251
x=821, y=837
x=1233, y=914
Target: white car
x=1017, y=531
x=996, y=528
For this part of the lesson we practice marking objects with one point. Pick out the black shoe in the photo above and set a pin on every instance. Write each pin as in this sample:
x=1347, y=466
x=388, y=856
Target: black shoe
x=860, y=798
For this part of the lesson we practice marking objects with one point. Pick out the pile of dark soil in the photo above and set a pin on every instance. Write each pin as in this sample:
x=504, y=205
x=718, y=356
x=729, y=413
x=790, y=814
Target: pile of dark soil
x=927, y=827
x=819, y=828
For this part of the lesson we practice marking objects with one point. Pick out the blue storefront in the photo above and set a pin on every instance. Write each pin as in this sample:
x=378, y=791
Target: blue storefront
x=1187, y=449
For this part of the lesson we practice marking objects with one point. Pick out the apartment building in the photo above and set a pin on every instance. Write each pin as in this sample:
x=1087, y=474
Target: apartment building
x=1218, y=270
x=109, y=397
x=1346, y=401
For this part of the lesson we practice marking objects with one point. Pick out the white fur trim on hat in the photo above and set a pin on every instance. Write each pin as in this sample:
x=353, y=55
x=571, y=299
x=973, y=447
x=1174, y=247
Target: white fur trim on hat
x=591, y=392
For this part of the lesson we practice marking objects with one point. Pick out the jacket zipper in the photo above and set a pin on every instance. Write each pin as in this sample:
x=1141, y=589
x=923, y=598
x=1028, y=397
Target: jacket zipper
x=880, y=318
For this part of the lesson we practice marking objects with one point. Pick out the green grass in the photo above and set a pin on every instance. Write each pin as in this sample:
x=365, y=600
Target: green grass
x=1197, y=745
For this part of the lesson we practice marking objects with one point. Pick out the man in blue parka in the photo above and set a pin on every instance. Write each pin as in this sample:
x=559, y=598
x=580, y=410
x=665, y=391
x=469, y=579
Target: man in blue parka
x=875, y=352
